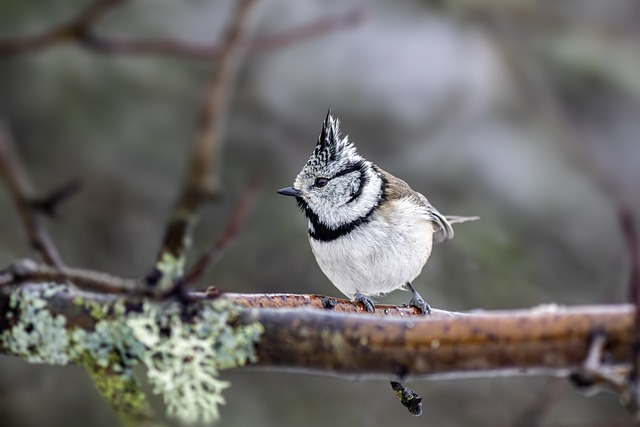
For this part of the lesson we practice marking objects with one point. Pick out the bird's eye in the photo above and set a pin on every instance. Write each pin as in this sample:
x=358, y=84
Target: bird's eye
x=321, y=182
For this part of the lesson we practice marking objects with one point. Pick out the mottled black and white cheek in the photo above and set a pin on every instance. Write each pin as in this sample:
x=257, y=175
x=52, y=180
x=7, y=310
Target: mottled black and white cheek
x=335, y=204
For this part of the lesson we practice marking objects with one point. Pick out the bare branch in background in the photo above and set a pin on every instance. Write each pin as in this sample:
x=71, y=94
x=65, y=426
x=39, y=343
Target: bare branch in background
x=13, y=173
x=49, y=204
x=105, y=44
x=236, y=219
x=79, y=30
x=198, y=185
x=25, y=271
x=72, y=30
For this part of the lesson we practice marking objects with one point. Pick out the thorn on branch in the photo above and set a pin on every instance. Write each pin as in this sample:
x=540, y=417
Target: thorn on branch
x=409, y=398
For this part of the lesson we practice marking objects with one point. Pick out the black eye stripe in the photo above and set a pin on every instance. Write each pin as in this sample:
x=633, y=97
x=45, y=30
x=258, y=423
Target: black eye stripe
x=353, y=167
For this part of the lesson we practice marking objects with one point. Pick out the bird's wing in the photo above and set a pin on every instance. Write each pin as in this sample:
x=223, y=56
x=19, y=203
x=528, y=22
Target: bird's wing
x=398, y=189
x=442, y=230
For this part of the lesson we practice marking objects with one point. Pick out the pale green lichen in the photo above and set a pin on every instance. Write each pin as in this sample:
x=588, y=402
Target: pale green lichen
x=171, y=268
x=36, y=336
x=183, y=359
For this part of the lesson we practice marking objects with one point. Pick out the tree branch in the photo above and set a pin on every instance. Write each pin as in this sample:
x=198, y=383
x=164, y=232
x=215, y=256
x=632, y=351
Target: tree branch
x=198, y=185
x=26, y=271
x=72, y=30
x=540, y=341
x=79, y=30
x=262, y=44
x=49, y=204
x=519, y=342
x=231, y=230
x=12, y=171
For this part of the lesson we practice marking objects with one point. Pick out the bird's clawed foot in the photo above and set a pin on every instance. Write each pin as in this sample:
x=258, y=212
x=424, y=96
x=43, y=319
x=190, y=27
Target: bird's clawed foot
x=418, y=302
x=366, y=301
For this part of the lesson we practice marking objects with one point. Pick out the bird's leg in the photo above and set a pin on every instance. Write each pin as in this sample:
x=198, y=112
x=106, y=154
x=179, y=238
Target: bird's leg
x=417, y=301
x=368, y=303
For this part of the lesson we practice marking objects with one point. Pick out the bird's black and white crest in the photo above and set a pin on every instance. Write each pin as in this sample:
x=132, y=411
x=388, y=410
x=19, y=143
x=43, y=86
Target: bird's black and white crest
x=338, y=188
x=331, y=149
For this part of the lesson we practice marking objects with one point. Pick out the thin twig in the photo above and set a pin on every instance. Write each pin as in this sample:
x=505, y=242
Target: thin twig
x=110, y=45
x=213, y=111
x=198, y=186
x=12, y=172
x=49, y=204
x=27, y=271
x=73, y=29
x=79, y=30
x=234, y=224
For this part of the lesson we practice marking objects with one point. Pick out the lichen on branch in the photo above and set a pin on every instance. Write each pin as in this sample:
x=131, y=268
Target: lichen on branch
x=183, y=358
x=182, y=347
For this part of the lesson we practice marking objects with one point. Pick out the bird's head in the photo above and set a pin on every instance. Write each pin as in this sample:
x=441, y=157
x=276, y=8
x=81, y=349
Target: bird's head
x=336, y=185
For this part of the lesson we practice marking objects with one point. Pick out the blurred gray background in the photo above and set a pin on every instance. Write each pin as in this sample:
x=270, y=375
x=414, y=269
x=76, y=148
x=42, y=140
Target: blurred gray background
x=526, y=114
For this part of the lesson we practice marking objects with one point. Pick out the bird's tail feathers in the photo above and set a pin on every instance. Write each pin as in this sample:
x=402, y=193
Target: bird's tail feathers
x=454, y=219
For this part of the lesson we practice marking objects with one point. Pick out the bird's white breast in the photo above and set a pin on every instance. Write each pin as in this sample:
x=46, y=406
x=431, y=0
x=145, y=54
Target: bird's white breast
x=381, y=255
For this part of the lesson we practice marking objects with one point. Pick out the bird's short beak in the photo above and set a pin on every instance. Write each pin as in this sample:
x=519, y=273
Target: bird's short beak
x=289, y=191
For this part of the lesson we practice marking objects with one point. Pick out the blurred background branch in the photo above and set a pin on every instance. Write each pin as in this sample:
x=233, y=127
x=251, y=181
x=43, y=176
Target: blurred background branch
x=74, y=30
x=199, y=186
x=19, y=187
x=79, y=31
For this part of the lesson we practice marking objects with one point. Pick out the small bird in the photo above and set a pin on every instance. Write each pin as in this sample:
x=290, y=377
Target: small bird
x=370, y=232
